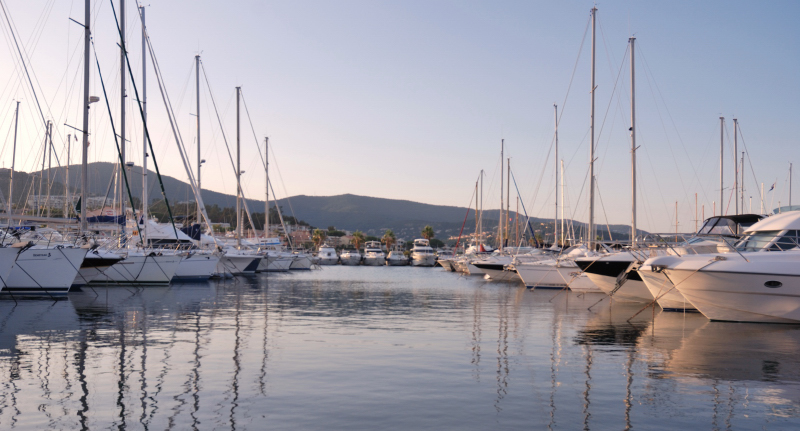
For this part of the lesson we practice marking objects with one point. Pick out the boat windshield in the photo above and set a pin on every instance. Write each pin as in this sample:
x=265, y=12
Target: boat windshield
x=788, y=241
x=758, y=240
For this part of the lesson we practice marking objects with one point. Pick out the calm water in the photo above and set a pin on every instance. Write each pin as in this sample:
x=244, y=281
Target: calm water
x=384, y=348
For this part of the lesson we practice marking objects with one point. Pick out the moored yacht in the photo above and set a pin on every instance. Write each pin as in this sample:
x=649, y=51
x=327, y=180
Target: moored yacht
x=397, y=257
x=350, y=257
x=422, y=254
x=373, y=255
x=327, y=255
x=759, y=282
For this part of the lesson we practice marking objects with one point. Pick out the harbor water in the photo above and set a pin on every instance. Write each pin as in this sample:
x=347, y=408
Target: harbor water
x=394, y=348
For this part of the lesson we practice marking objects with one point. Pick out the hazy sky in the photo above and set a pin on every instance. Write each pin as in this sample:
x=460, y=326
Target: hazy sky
x=410, y=99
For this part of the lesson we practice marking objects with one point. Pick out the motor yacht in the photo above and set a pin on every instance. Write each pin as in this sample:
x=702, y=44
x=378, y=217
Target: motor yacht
x=373, y=255
x=759, y=281
x=422, y=254
x=350, y=257
x=397, y=257
x=327, y=255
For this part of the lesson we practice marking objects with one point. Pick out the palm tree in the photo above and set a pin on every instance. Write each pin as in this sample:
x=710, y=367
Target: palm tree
x=358, y=239
x=389, y=239
x=427, y=232
x=319, y=237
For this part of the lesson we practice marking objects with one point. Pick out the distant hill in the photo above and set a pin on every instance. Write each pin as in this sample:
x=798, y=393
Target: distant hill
x=371, y=215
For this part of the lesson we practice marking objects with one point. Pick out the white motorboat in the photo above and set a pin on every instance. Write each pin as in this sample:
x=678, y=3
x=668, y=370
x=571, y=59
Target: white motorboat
x=350, y=257
x=422, y=254
x=759, y=282
x=373, y=255
x=397, y=257
x=327, y=255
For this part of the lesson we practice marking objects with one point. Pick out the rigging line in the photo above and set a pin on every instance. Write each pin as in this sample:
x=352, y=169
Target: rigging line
x=144, y=123
x=648, y=74
x=230, y=156
x=116, y=141
x=608, y=226
x=574, y=68
x=611, y=99
x=749, y=160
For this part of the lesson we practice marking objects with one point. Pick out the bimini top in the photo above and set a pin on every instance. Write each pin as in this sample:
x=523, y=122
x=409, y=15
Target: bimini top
x=729, y=225
x=785, y=221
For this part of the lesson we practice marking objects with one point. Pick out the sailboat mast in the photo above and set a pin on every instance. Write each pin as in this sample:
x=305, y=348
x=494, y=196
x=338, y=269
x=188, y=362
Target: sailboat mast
x=735, y=166
x=144, y=215
x=66, y=177
x=87, y=34
x=122, y=58
x=238, y=175
x=266, y=201
x=721, y=163
x=742, y=181
x=633, y=145
x=500, y=230
x=790, y=186
x=13, y=159
x=476, y=208
x=555, y=219
x=562, y=204
x=590, y=233
x=49, y=163
x=197, y=112
x=508, y=196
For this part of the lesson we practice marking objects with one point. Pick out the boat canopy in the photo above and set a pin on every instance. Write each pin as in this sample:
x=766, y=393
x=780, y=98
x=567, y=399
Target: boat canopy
x=729, y=225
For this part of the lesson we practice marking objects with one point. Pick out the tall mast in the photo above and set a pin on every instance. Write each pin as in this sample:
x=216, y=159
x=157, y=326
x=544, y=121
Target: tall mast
x=562, y=203
x=13, y=159
x=41, y=173
x=266, y=201
x=500, y=230
x=632, y=41
x=480, y=226
x=735, y=167
x=555, y=219
x=741, y=173
x=790, y=186
x=49, y=163
x=508, y=195
x=144, y=214
x=590, y=233
x=67, y=200
x=238, y=175
x=476, y=209
x=721, y=164
x=85, y=156
x=121, y=173
x=197, y=93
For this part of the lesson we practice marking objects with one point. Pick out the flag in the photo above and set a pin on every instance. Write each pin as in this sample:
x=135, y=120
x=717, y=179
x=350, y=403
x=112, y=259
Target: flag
x=773, y=186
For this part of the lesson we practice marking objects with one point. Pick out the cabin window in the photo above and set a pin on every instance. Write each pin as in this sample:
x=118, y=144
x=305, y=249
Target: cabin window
x=787, y=242
x=757, y=240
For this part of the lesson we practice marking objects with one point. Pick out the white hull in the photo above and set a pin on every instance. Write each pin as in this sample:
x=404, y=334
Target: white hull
x=301, y=262
x=351, y=260
x=422, y=259
x=556, y=277
x=141, y=270
x=501, y=275
x=197, y=266
x=238, y=264
x=397, y=261
x=631, y=290
x=447, y=264
x=44, y=271
x=375, y=261
x=328, y=260
x=94, y=265
x=280, y=264
x=663, y=290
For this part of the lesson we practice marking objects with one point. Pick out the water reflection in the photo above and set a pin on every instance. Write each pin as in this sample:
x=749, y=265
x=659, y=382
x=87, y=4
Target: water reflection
x=349, y=348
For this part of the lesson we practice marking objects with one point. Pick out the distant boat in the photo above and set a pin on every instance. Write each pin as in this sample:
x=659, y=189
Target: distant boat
x=350, y=257
x=327, y=255
x=422, y=254
x=397, y=258
x=373, y=255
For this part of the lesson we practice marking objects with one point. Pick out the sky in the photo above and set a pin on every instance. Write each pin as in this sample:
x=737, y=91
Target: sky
x=411, y=99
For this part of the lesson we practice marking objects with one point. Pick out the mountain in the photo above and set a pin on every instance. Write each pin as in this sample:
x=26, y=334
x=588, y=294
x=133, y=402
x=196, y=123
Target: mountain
x=371, y=215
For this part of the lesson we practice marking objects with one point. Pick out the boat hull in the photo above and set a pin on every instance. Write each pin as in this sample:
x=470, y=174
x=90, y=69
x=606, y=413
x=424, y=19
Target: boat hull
x=140, y=270
x=197, y=266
